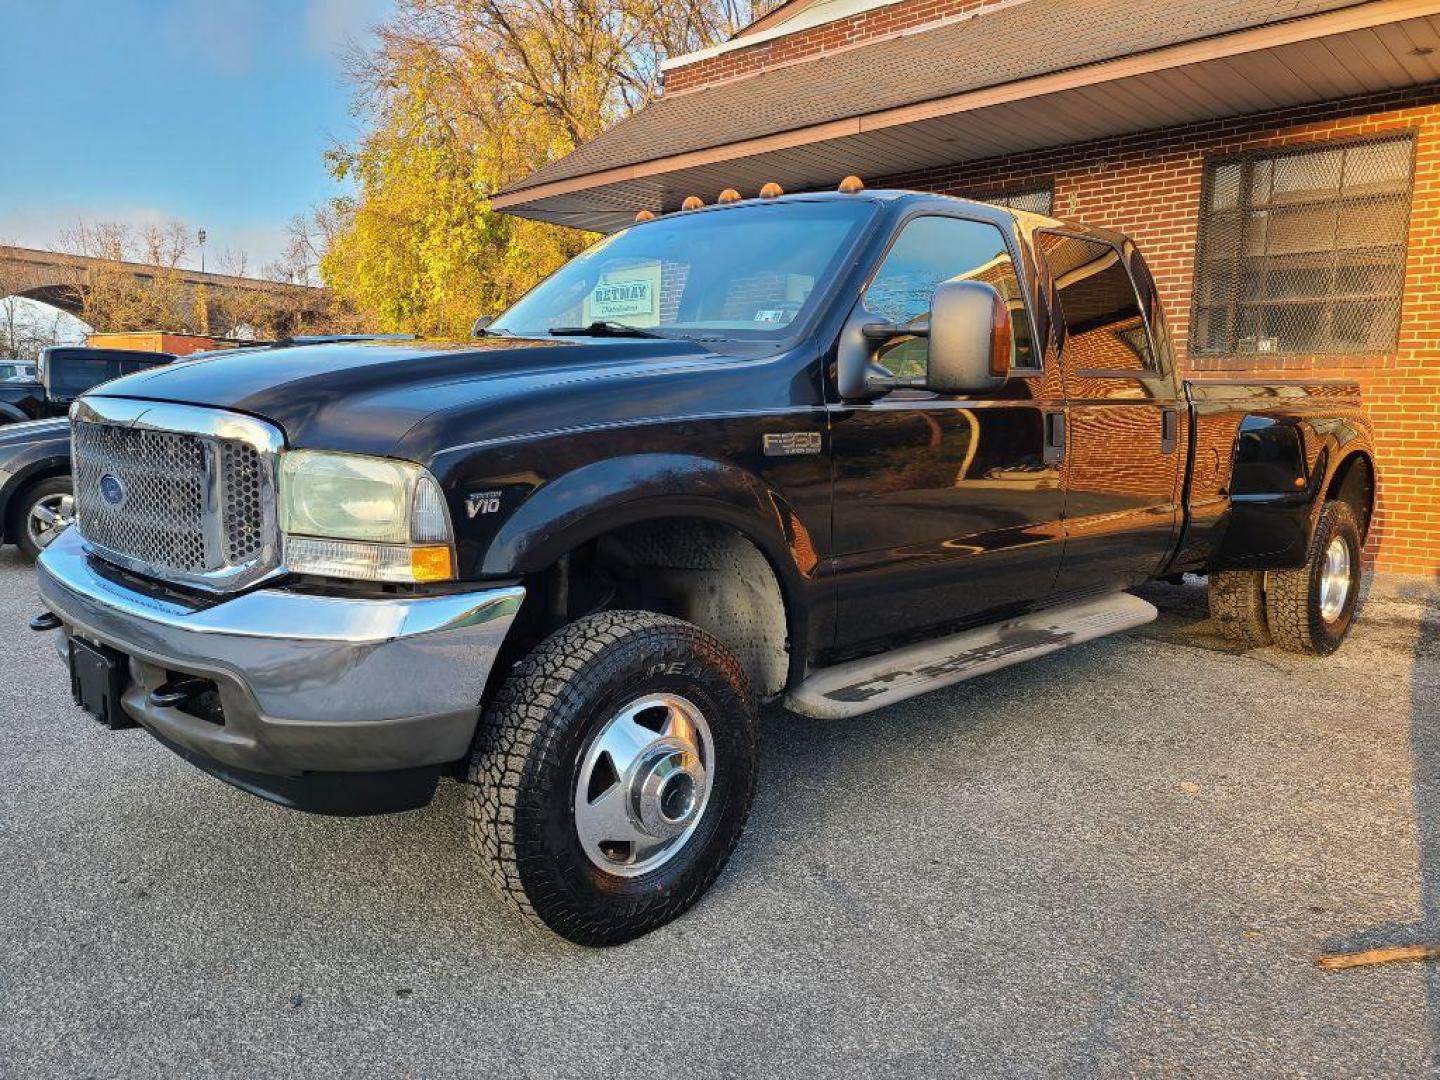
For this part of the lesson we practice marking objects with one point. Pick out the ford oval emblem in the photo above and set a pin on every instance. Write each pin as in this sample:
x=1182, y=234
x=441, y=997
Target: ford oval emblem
x=112, y=490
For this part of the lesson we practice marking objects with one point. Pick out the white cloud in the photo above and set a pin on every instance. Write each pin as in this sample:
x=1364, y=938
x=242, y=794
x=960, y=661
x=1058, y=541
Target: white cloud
x=331, y=25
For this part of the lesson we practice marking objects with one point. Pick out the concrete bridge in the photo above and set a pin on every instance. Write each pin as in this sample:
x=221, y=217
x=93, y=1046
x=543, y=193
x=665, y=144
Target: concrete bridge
x=60, y=280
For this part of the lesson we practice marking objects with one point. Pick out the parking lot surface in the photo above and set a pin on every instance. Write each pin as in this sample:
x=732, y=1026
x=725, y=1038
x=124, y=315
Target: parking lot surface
x=1120, y=860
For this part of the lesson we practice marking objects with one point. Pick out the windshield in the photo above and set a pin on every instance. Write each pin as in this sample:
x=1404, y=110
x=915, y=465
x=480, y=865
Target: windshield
x=747, y=272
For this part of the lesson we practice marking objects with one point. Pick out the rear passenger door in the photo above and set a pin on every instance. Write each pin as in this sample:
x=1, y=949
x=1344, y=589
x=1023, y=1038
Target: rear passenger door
x=1124, y=454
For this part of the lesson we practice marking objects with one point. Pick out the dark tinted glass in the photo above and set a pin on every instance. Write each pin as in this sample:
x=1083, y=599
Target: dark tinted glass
x=935, y=249
x=1104, y=328
x=73, y=375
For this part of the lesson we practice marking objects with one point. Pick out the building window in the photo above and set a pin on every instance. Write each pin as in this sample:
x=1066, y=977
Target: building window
x=1303, y=251
x=1040, y=200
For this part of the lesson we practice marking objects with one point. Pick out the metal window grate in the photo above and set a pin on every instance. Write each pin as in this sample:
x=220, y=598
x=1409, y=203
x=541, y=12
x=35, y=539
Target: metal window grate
x=1303, y=250
x=1039, y=200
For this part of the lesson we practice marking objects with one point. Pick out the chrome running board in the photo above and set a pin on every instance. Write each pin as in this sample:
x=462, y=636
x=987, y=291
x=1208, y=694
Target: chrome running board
x=861, y=686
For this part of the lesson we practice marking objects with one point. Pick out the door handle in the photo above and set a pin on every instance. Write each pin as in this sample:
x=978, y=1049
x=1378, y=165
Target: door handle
x=1169, y=430
x=1054, y=438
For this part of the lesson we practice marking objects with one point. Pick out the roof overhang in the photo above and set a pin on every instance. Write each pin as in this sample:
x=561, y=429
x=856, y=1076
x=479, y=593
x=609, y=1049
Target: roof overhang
x=1367, y=48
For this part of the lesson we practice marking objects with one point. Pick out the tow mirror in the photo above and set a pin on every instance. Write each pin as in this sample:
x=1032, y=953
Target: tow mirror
x=970, y=335
x=477, y=328
x=970, y=338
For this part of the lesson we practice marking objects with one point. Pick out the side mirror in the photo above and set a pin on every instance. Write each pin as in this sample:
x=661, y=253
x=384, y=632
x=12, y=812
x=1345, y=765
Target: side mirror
x=477, y=328
x=970, y=338
x=970, y=334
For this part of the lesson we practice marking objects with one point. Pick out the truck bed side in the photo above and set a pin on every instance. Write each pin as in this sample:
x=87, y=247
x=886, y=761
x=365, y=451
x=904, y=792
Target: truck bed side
x=1264, y=458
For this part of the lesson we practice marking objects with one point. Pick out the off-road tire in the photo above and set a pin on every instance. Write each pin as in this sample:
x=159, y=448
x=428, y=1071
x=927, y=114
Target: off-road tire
x=532, y=738
x=1292, y=597
x=1237, y=606
x=16, y=528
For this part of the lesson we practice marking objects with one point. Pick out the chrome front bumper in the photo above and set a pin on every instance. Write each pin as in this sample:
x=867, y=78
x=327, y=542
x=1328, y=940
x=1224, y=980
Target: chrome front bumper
x=305, y=682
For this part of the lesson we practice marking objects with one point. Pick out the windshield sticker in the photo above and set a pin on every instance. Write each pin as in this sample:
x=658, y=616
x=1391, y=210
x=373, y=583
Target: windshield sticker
x=630, y=296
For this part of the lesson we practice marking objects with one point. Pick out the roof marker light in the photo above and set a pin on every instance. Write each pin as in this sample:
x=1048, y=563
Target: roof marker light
x=692, y=202
x=644, y=215
x=771, y=190
x=729, y=195
x=851, y=184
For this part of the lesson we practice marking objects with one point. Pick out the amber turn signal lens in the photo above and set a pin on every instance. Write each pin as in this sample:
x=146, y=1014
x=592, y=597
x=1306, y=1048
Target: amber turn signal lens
x=851, y=184
x=729, y=195
x=432, y=563
x=692, y=202
x=771, y=190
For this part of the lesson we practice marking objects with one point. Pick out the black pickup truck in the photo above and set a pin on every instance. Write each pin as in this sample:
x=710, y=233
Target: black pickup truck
x=824, y=450
x=64, y=373
x=35, y=501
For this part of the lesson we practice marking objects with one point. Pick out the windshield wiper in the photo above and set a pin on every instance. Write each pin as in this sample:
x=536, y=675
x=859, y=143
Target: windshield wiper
x=604, y=328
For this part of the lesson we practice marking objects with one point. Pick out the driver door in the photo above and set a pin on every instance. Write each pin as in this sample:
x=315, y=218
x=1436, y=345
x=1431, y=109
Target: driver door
x=947, y=508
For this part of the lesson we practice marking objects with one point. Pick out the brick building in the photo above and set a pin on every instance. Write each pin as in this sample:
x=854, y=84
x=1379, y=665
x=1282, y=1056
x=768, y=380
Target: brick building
x=1277, y=160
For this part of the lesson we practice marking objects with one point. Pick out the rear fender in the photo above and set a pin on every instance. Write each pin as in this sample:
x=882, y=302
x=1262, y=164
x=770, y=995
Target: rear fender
x=1282, y=471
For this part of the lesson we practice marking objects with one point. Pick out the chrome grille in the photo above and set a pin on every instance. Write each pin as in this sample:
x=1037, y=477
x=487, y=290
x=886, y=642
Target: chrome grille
x=161, y=475
x=177, y=492
x=244, y=510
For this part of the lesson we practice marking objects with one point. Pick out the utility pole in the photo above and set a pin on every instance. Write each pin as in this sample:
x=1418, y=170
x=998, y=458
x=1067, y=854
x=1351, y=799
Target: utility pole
x=201, y=237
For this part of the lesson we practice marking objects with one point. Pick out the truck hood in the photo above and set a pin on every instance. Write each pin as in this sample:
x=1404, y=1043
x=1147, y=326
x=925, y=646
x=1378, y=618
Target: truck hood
x=363, y=397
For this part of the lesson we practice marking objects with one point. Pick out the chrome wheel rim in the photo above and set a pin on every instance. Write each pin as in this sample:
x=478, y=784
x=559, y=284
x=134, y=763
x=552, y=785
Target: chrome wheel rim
x=49, y=517
x=643, y=784
x=1335, y=580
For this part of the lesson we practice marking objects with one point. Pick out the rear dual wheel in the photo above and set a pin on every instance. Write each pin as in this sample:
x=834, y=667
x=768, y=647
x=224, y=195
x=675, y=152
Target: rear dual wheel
x=1312, y=608
x=1309, y=609
x=613, y=775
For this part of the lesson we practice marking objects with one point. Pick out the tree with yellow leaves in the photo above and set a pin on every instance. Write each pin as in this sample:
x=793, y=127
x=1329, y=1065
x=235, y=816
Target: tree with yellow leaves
x=463, y=97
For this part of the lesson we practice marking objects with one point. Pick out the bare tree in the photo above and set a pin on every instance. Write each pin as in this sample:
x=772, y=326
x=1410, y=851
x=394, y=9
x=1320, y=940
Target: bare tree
x=117, y=296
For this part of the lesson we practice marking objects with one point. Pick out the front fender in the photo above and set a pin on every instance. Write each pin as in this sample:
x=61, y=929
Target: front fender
x=605, y=495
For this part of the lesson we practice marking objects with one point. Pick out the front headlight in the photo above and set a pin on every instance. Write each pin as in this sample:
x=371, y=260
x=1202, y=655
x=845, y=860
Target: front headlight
x=374, y=519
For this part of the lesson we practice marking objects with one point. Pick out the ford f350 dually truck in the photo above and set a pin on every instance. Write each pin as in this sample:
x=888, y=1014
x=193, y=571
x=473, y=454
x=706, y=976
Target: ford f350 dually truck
x=824, y=450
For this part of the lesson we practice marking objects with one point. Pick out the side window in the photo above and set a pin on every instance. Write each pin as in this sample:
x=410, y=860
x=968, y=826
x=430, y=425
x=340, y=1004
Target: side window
x=928, y=251
x=1104, y=327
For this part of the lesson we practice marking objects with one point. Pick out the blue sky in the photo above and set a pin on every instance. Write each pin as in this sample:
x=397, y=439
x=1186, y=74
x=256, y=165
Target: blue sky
x=215, y=113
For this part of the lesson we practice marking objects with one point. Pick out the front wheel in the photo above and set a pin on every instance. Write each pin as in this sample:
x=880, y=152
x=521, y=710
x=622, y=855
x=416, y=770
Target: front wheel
x=40, y=513
x=1311, y=609
x=613, y=774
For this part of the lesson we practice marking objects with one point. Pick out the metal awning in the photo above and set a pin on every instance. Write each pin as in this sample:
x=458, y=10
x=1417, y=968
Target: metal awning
x=1120, y=71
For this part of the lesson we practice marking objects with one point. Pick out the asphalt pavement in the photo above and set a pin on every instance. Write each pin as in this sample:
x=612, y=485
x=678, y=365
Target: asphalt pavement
x=1119, y=860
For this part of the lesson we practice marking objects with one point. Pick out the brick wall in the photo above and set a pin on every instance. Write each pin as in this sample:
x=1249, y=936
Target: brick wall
x=827, y=37
x=1149, y=186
